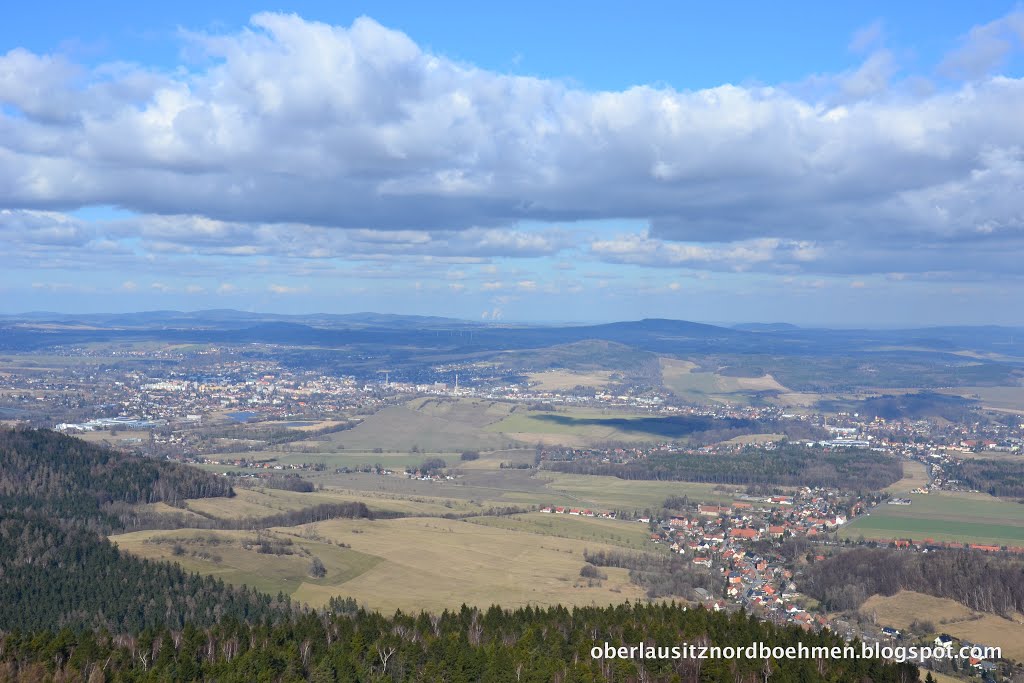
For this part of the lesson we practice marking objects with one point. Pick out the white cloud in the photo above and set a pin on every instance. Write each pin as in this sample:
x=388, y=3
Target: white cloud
x=985, y=47
x=291, y=129
x=642, y=249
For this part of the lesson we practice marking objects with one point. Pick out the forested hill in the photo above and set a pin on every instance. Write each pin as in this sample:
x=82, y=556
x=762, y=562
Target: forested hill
x=71, y=479
x=57, y=496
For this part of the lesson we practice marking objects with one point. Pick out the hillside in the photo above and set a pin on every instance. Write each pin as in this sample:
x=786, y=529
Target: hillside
x=57, y=494
x=70, y=479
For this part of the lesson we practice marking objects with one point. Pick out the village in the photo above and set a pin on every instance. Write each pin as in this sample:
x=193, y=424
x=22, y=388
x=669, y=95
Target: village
x=742, y=543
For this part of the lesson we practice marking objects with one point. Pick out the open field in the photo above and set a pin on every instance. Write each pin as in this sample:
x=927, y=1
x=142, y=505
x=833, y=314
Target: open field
x=352, y=459
x=574, y=427
x=121, y=439
x=949, y=617
x=411, y=563
x=230, y=560
x=257, y=502
x=559, y=380
x=915, y=475
x=435, y=564
x=615, y=493
x=264, y=502
x=993, y=455
x=493, y=460
x=526, y=487
x=799, y=399
x=475, y=490
x=997, y=398
x=939, y=677
x=956, y=517
x=680, y=377
x=587, y=427
x=489, y=460
x=302, y=425
x=481, y=486
x=591, y=529
x=426, y=424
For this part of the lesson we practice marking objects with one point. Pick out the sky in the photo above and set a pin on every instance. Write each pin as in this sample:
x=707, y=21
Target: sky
x=855, y=165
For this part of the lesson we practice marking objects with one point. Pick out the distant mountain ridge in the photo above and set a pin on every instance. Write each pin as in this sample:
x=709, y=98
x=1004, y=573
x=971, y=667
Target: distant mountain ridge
x=233, y=318
x=403, y=336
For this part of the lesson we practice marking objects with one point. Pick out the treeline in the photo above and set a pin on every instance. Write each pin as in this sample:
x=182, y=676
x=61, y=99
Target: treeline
x=1003, y=478
x=979, y=580
x=528, y=645
x=69, y=478
x=659, y=575
x=137, y=519
x=316, y=513
x=491, y=511
x=787, y=465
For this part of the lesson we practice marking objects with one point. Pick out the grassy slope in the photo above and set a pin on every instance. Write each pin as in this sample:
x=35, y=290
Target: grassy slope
x=435, y=564
x=267, y=572
x=950, y=617
x=433, y=425
x=594, y=530
x=915, y=475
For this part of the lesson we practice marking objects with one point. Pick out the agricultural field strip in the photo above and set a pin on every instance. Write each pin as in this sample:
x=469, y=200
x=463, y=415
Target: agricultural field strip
x=615, y=532
x=256, y=503
x=950, y=517
x=920, y=529
x=915, y=475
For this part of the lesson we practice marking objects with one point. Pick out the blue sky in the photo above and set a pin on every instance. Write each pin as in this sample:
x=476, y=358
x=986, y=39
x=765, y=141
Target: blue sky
x=839, y=165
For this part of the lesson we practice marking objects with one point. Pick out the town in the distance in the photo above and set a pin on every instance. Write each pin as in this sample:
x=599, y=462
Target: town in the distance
x=861, y=483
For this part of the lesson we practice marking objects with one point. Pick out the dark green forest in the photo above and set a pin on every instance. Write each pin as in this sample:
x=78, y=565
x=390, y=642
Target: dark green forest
x=55, y=575
x=529, y=645
x=67, y=478
x=994, y=477
x=59, y=497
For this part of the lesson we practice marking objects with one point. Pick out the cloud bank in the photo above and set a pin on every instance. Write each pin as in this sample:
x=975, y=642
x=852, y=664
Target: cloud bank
x=303, y=140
